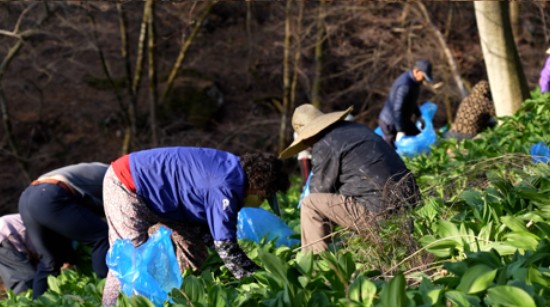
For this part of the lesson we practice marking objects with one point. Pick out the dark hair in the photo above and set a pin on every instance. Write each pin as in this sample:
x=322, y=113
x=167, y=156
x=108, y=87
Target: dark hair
x=265, y=173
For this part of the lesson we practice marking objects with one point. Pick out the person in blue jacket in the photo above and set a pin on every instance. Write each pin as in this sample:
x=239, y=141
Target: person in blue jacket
x=197, y=192
x=397, y=118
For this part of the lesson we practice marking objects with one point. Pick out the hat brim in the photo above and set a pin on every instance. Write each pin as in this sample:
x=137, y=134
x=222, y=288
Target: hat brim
x=312, y=129
x=428, y=78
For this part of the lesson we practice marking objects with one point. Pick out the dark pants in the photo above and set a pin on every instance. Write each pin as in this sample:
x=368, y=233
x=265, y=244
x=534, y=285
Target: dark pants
x=54, y=218
x=16, y=269
x=390, y=133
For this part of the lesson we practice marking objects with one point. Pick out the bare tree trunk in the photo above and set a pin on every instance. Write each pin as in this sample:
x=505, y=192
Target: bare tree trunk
x=152, y=72
x=106, y=69
x=133, y=86
x=286, y=78
x=514, y=19
x=248, y=40
x=183, y=50
x=506, y=77
x=6, y=118
x=541, y=6
x=443, y=44
x=316, y=86
x=129, y=115
x=297, y=54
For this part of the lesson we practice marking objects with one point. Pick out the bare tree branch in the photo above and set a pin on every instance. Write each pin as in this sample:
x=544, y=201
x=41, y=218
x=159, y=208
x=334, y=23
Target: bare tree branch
x=183, y=50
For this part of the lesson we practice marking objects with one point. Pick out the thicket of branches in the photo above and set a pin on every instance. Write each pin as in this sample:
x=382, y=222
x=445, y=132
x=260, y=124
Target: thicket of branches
x=89, y=80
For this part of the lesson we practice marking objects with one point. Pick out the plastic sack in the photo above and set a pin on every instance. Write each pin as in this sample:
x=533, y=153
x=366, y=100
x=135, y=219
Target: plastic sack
x=305, y=190
x=414, y=145
x=256, y=223
x=150, y=270
x=540, y=153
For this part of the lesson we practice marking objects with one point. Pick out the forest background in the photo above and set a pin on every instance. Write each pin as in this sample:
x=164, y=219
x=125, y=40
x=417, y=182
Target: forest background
x=90, y=80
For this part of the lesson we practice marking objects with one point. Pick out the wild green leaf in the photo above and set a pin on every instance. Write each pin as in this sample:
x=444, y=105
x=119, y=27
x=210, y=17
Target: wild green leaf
x=393, y=293
x=362, y=290
x=476, y=279
x=509, y=296
x=460, y=299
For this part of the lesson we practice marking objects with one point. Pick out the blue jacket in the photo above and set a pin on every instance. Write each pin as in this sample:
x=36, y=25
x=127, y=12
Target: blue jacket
x=401, y=103
x=195, y=185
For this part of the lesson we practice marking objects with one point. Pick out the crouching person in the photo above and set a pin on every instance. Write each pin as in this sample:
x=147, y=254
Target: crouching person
x=196, y=192
x=62, y=206
x=357, y=177
x=17, y=256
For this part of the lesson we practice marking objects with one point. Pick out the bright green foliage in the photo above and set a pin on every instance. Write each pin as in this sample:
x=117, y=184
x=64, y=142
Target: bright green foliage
x=482, y=234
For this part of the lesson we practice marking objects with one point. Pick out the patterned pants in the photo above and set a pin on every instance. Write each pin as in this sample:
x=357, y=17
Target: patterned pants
x=129, y=218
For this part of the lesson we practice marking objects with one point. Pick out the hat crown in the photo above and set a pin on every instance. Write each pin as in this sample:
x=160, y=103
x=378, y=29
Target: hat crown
x=426, y=67
x=303, y=115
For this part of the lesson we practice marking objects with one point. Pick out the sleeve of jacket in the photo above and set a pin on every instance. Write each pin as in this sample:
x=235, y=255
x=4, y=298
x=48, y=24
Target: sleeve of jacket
x=325, y=169
x=398, y=102
x=235, y=259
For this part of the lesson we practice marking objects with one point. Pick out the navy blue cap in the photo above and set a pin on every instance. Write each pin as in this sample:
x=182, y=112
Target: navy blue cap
x=426, y=68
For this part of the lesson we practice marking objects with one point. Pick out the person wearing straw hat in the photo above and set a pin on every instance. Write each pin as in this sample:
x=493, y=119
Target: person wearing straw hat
x=544, y=80
x=356, y=177
x=397, y=118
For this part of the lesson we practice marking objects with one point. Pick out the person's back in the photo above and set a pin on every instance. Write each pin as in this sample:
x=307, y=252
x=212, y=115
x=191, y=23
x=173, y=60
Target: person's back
x=401, y=101
x=474, y=114
x=400, y=110
x=353, y=161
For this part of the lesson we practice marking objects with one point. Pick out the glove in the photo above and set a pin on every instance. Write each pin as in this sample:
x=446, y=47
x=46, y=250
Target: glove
x=399, y=136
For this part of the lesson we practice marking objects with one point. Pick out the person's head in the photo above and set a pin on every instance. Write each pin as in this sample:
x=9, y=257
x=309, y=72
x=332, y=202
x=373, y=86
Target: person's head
x=266, y=176
x=422, y=70
x=308, y=123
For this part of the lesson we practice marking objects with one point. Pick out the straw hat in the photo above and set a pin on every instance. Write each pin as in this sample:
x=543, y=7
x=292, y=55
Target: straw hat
x=307, y=122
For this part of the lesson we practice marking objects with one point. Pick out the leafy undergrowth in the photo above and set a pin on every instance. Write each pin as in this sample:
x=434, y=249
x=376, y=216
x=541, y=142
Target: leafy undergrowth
x=481, y=237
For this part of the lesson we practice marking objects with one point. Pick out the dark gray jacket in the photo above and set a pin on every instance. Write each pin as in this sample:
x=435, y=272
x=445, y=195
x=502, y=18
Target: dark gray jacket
x=350, y=159
x=401, y=103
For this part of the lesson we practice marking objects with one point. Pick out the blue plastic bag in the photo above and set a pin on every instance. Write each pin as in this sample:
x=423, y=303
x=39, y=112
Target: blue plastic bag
x=410, y=146
x=150, y=270
x=305, y=190
x=540, y=153
x=256, y=223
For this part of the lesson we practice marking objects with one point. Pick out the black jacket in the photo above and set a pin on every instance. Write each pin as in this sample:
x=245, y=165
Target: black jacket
x=350, y=159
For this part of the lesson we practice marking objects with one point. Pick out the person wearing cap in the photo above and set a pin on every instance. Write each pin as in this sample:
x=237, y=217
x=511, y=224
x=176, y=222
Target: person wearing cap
x=356, y=177
x=62, y=206
x=17, y=255
x=196, y=192
x=544, y=80
x=476, y=113
x=397, y=118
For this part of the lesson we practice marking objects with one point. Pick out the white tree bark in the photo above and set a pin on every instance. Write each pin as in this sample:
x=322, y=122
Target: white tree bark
x=504, y=70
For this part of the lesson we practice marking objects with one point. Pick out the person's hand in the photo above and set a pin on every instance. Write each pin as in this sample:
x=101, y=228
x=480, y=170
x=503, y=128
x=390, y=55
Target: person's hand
x=68, y=266
x=399, y=136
